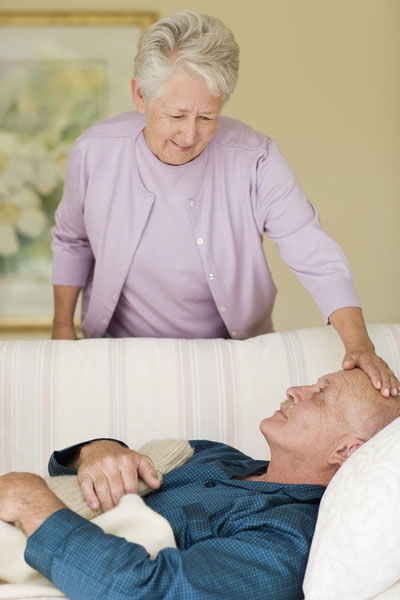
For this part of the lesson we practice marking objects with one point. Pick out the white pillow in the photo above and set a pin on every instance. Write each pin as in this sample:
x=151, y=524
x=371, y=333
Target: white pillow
x=355, y=554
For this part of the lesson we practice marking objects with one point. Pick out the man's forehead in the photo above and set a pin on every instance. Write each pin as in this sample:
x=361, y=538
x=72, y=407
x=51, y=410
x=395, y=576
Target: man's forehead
x=346, y=382
x=332, y=378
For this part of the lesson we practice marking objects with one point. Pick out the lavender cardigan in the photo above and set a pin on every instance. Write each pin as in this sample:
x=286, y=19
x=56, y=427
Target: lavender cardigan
x=249, y=189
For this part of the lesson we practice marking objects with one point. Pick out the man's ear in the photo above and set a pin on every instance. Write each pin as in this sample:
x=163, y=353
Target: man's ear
x=344, y=449
x=137, y=96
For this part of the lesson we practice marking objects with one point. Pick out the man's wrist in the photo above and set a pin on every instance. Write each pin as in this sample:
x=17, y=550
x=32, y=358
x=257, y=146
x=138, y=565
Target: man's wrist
x=85, y=449
x=69, y=457
x=32, y=517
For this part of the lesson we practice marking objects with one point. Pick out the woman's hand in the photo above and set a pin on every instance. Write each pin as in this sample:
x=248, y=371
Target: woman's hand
x=374, y=366
x=107, y=471
x=360, y=351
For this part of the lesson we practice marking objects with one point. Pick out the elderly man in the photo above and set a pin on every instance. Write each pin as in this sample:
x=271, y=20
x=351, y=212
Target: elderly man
x=243, y=527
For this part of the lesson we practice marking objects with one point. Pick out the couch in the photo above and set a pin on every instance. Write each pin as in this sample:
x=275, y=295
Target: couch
x=57, y=393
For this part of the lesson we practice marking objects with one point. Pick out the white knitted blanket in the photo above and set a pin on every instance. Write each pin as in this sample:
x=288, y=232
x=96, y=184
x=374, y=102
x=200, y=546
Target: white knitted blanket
x=131, y=519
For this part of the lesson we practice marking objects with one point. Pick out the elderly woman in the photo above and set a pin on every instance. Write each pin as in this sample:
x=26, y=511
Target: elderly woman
x=164, y=211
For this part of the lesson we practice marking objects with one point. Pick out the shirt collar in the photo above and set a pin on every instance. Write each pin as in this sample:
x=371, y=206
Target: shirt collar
x=295, y=491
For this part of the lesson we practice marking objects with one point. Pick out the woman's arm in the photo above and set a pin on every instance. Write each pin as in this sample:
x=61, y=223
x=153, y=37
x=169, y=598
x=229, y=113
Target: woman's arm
x=360, y=351
x=65, y=299
x=72, y=252
x=288, y=219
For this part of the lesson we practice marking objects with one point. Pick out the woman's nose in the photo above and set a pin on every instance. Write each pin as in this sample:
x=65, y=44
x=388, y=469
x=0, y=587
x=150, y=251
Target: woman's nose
x=189, y=131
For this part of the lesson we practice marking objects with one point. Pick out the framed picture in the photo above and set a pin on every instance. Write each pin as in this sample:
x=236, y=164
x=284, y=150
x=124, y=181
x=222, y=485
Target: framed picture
x=59, y=73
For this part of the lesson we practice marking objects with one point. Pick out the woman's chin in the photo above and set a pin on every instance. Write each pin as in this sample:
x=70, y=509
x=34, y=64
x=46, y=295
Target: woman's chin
x=177, y=155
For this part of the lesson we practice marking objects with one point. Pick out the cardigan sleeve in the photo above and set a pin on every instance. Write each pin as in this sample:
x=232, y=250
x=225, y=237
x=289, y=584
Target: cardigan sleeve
x=291, y=222
x=72, y=253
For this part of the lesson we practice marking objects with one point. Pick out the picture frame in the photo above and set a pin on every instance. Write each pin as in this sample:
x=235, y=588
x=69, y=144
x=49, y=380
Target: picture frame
x=59, y=73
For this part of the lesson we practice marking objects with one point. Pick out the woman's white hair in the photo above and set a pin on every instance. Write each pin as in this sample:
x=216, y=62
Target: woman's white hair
x=189, y=41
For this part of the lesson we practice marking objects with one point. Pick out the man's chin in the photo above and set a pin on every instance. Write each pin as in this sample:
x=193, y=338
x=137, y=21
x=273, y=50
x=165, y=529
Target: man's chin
x=269, y=422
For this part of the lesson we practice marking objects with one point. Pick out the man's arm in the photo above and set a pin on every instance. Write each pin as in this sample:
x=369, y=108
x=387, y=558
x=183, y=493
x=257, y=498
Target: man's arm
x=26, y=500
x=262, y=562
x=107, y=470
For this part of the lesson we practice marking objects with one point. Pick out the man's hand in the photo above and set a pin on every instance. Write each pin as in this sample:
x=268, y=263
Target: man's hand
x=107, y=471
x=26, y=500
x=382, y=377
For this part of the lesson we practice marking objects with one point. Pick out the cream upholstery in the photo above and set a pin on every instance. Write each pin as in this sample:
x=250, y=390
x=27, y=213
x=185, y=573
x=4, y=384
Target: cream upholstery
x=56, y=393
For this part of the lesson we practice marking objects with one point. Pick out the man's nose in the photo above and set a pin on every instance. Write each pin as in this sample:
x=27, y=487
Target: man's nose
x=296, y=393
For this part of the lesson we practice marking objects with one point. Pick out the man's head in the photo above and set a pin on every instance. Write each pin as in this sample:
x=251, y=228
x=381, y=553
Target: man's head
x=319, y=426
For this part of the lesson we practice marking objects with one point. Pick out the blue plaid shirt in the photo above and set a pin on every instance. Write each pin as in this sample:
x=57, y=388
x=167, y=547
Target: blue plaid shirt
x=235, y=539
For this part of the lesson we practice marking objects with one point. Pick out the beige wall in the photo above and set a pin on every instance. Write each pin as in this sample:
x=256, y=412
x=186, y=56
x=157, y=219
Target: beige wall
x=322, y=78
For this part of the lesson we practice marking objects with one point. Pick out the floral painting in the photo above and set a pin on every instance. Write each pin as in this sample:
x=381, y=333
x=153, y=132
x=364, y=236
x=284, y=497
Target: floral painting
x=59, y=73
x=44, y=107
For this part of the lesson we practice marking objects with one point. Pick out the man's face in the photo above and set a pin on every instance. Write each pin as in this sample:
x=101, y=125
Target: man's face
x=313, y=417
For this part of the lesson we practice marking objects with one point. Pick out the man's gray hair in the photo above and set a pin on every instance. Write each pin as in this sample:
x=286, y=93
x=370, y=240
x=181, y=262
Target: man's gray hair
x=189, y=41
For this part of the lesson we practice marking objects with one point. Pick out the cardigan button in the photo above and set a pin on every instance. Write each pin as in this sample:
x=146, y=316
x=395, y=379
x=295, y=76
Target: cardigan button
x=210, y=484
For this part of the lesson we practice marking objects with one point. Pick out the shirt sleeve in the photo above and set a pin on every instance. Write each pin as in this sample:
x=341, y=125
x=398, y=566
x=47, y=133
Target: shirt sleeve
x=291, y=221
x=72, y=253
x=261, y=563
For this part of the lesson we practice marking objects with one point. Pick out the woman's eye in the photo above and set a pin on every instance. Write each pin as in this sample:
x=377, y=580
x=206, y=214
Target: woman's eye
x=176, y=116
x=320, y=390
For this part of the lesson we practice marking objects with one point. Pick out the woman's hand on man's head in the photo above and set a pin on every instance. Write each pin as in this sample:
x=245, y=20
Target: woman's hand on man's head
x=360, y=351
x=381, y=375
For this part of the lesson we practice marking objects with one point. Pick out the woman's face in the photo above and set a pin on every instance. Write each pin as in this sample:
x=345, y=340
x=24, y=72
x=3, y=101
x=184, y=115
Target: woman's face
x=181, y=121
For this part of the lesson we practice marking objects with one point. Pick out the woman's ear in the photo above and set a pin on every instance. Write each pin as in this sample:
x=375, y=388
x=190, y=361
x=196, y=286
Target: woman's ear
x=137, y=96
x=344, y=450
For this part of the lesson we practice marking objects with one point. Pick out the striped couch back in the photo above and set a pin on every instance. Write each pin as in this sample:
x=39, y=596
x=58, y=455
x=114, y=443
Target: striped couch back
x=56, y=393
